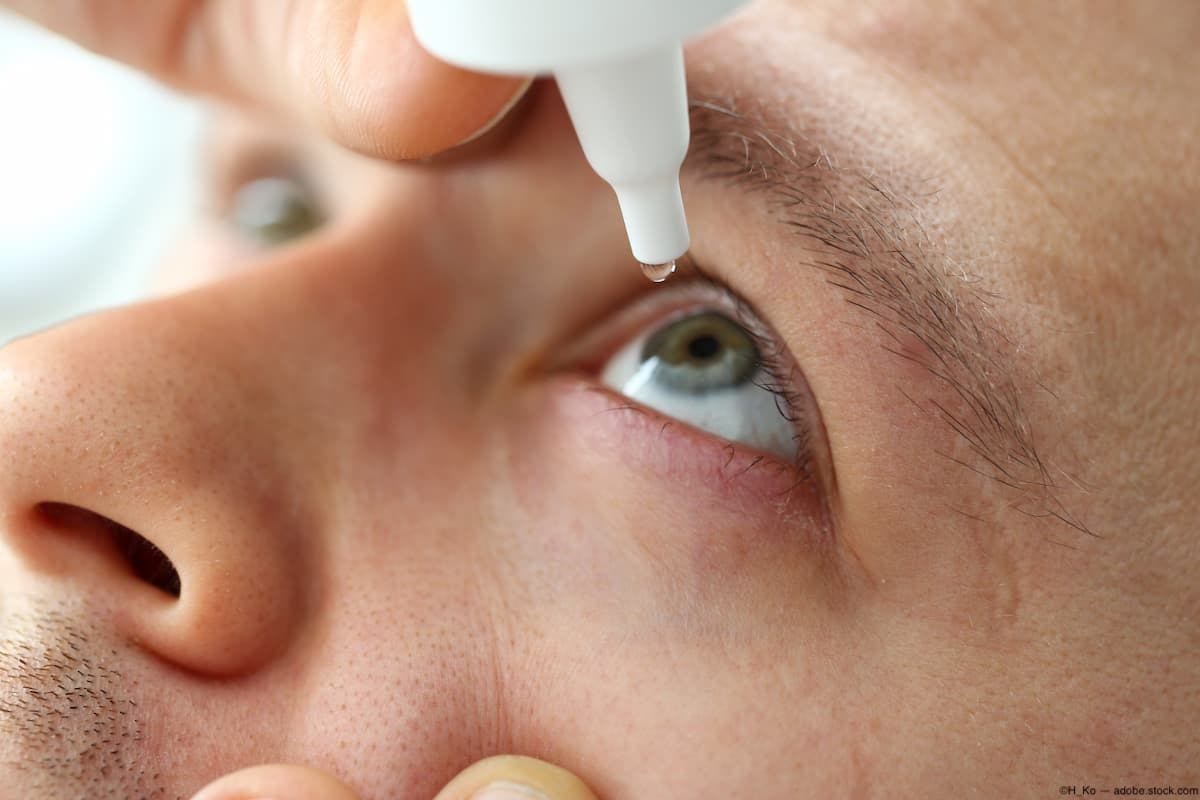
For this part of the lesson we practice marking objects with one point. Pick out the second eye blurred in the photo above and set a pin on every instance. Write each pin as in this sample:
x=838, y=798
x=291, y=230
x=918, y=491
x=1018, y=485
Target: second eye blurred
x=272, y=211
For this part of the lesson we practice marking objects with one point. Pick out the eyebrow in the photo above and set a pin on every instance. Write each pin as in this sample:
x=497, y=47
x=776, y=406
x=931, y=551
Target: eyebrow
x=867, y=239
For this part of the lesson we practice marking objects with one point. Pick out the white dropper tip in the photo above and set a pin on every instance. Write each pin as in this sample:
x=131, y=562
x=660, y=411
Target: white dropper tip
x=654, y=219
x=631, y=117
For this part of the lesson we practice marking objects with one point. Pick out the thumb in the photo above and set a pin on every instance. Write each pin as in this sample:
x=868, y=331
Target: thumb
x=351, y=69
x=278, y=782
x=515, y=778
x=494, y=778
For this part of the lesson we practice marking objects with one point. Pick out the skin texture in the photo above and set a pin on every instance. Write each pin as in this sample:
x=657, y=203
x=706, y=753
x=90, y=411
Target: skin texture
x=412, y=531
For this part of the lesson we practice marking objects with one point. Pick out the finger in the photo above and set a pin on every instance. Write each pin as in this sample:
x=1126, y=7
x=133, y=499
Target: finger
x=276, y=782
x=515, y=778
x=351, y=68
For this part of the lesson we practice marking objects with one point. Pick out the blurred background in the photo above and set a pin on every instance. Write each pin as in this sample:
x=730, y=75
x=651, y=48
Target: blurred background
x=96, y=176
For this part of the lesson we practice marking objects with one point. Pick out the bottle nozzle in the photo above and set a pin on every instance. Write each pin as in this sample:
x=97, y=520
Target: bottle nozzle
x=631, y=117
x=654, y=219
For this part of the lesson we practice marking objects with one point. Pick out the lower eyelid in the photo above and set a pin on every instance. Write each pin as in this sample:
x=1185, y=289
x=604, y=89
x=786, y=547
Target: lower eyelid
x=682, y=458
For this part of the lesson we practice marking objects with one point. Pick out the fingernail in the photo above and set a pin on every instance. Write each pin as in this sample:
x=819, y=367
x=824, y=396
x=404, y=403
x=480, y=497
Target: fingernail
x=507, y=790
x=500, y=115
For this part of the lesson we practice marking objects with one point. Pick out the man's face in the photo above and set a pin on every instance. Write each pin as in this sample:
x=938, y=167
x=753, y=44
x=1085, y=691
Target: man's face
x=889, y=492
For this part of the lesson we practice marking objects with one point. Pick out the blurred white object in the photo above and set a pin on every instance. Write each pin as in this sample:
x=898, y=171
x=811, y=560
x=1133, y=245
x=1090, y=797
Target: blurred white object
x=95, y=175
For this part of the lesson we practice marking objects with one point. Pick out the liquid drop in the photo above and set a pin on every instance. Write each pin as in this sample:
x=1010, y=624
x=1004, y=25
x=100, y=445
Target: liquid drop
x=658, y=272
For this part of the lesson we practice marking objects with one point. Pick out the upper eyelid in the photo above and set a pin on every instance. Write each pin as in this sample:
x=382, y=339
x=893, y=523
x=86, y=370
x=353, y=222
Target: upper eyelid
x=237, y=151
x=688, y=290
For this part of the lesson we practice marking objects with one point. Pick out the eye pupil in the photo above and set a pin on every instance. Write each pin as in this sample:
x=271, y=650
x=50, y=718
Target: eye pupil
x=703, y=348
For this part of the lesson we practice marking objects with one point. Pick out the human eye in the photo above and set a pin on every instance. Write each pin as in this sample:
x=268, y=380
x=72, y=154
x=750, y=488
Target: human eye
x=709, y=361
x=262, y=189
x=273, y=210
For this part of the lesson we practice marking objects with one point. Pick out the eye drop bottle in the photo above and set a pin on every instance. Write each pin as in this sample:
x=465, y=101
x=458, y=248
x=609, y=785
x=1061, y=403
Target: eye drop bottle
x=619, y=68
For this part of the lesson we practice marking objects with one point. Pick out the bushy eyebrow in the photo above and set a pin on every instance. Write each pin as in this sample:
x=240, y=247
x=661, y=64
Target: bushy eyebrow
x=866, y=237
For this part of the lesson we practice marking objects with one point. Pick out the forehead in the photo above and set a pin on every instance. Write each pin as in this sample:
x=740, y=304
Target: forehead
x=1065, y=131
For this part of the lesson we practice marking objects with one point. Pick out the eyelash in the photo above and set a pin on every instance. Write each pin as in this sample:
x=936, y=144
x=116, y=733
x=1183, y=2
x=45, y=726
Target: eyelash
x=779, y=374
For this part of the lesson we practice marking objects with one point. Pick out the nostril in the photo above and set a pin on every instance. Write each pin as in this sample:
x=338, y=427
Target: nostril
x=142, y=556
x=145, y=559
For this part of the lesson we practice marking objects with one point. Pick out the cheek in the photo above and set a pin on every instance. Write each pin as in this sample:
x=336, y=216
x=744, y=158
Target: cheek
x=669, y=519
x=680, y=606
x=685, y=607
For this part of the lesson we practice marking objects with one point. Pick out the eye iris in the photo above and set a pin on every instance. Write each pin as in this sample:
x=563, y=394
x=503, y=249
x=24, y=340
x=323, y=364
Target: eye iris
x=709, y=371
x=706, y=352
x=274, y=211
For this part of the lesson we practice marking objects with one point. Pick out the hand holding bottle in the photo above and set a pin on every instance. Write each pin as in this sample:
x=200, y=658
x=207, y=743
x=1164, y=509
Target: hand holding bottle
x=350, y=69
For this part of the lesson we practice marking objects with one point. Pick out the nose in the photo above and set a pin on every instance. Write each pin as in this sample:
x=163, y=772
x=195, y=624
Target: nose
x=137, y=472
